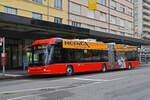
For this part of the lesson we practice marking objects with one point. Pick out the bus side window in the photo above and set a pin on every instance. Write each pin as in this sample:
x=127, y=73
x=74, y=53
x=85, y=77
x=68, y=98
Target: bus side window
x=103, y=55
x=68, y=55
x=57, y=54
x=132, y=56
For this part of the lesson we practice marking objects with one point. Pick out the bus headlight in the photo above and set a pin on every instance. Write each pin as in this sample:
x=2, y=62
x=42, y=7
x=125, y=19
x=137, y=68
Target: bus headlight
x=44, y=70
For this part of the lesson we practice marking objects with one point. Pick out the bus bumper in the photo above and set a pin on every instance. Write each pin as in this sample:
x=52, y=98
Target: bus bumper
x=38, y=71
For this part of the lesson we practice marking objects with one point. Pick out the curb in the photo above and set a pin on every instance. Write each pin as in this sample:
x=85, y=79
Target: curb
x=144, y=65
x=12, y=77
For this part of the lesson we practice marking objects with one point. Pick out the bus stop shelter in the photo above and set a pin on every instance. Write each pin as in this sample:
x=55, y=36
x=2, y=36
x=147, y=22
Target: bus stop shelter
x=27, y=28
x=21, y=32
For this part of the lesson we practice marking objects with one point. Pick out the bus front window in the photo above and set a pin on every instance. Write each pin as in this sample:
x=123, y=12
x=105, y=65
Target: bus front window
x=40, y=55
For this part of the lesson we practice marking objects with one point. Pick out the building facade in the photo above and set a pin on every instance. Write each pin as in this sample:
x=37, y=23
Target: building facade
x=142, y=25
x=142, y=19
x=113, y=16
x=48, y=10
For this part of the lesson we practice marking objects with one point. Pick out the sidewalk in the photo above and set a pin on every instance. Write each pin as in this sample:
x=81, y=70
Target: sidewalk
x=13, y=74
x=145, y=65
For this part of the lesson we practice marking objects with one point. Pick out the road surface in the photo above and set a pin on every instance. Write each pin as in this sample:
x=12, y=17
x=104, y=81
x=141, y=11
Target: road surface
x=114, y=85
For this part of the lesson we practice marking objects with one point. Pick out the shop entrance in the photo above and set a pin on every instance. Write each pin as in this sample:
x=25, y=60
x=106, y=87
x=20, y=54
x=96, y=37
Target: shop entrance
x=12, y=54
x=16, y=55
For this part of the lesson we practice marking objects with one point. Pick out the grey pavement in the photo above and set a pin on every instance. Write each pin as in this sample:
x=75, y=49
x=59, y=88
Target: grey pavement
x=114, y=85
x=13, y=74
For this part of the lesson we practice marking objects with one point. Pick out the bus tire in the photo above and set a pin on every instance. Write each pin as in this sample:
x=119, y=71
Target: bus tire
x=104, y=69
x=69, y=70
x=129, y=66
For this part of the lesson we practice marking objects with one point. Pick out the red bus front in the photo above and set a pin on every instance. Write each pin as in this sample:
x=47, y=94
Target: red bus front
x=40, y=59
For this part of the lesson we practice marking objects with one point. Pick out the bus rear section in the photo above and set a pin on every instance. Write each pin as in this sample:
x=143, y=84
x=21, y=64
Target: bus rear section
x=62, y=56
x=126, y=56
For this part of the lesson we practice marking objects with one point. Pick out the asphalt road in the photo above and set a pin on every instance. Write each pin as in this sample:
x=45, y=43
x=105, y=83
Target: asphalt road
x=114, y=85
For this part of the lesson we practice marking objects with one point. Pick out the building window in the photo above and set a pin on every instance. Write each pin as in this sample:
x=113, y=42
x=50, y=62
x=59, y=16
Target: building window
x=10, y=10
x=76, y=24
x=136, y=2
x=37, y=1
x=135, y=8
x=122, y=25
x=122, y=8
x=58, y=20
x=129, y=25
x=113, y=32
x=58, y=4
x=103, y=2
x=130, y=1
x=103, y=16
x=129, y=35
x=101, y=29
x=130, y=11
x=135, y=20
x=91, y=27
x=37, y=16
x=136, y=27
x=91, y=13
x=122, y=33
x=113, y=19
x=75, y=8
x=113, y=4
x=135, y=14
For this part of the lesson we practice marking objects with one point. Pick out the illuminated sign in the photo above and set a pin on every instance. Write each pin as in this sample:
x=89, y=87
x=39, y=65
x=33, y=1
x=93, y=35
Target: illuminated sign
x=84, y=45
x=41, y=47
x=119, y=48
x=92, y=4
x=125, y=49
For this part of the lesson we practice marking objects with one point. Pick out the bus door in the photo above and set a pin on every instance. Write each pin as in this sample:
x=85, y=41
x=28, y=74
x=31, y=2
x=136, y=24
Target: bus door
x=120, y=57
x=111, y=56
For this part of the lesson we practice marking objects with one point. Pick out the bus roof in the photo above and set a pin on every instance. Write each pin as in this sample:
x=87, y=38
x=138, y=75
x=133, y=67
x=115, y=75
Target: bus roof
x=80, y=44
x=45, y=41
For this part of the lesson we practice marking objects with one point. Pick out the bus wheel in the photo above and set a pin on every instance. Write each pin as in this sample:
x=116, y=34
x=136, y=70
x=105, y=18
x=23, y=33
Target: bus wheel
x=104, y=69
x=69, y=70
x=129, y=66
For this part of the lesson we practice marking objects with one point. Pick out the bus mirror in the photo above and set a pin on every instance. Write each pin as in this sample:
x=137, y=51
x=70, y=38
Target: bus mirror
x=27, y=48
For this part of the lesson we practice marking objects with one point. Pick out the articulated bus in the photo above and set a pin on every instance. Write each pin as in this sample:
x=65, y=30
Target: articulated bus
x=66, y=56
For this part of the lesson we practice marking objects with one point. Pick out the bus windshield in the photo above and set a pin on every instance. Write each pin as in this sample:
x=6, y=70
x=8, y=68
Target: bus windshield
x=40, y=55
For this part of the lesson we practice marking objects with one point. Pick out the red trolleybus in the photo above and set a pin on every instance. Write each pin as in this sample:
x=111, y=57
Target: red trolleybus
x=64, y=56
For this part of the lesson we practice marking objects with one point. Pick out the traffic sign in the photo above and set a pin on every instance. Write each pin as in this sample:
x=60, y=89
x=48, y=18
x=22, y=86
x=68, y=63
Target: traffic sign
x=92, y=4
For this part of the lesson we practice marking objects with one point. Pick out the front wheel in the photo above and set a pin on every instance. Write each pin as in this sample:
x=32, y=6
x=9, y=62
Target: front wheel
x=69, y=71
